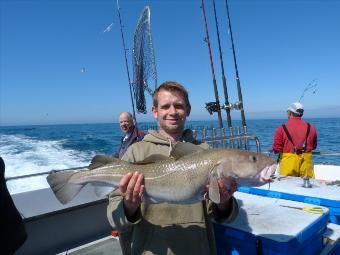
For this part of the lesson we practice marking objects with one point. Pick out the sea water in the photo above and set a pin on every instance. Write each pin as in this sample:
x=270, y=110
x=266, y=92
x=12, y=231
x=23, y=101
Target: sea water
x=34, y=149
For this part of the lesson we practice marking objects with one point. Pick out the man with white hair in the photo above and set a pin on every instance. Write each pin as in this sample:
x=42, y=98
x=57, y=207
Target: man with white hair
x=295, y=141
x=131, y=133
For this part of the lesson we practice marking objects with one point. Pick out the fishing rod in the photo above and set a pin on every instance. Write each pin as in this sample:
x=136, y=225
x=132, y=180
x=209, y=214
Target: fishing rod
x=126, y=63
x=312, y=85
x=224, y=81
x=240, y=103
x=212, y=106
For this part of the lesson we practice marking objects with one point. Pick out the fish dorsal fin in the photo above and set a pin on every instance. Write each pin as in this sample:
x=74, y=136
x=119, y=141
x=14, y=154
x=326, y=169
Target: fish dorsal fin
x=101, y=160
x=181, y=149
x=214, y=191
x=152, y=159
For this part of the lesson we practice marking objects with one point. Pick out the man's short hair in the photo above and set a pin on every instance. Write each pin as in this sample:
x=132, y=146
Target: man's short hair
x=171, y=86
x=128, y=114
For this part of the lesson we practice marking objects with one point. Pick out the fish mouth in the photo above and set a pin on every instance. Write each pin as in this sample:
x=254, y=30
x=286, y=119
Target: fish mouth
x=262, y=177
x=266, y=173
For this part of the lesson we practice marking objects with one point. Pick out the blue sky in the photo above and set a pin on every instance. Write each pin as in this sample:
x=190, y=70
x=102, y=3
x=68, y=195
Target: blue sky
x=281, y=46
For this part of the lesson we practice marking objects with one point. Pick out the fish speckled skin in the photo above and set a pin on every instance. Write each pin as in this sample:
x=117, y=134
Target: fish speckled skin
x=181, y=180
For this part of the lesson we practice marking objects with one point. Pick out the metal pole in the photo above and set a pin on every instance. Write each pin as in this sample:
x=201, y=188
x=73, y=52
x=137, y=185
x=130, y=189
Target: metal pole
x=212, y=68
x=126, y=63
x=224, y=81
x=237, y=76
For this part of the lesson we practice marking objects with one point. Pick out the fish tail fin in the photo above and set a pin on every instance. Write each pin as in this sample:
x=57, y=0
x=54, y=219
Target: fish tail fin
x=62, y=188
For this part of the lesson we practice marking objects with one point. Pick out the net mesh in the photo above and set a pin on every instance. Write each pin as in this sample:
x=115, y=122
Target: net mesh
x=144, y=66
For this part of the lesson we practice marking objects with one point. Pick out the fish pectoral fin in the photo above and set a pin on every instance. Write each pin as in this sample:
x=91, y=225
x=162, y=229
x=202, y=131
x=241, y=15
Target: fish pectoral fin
x=152, y=159
x=103, y=189
x=182, y=149
x=214, y=191
x=223, y=166
x=101, y=160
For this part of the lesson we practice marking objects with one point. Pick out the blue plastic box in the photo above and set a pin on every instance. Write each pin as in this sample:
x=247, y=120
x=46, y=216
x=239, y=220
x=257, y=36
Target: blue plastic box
x=267, y=226
x=291, y=188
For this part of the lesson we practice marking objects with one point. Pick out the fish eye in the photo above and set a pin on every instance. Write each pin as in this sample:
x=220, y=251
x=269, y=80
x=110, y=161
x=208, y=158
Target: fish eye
x=253, y=158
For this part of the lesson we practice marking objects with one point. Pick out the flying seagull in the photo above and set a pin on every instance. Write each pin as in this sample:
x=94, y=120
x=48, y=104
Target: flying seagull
x=109, y=28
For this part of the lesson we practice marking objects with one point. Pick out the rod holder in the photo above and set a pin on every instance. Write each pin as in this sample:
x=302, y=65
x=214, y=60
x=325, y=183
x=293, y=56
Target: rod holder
x=306, y=183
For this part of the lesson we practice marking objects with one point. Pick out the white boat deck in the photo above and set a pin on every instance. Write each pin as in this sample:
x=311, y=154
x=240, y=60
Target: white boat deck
x=263, y=216
x=327, y=172
x=108, y=245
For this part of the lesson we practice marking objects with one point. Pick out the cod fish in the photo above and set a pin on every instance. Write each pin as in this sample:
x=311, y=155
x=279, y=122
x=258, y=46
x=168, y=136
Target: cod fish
x=181, y=179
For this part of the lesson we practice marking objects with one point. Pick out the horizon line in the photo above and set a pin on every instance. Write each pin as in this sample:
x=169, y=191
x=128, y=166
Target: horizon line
x=149, y=121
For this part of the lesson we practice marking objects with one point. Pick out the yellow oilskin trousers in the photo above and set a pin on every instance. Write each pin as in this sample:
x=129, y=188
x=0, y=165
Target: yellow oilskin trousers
x=300, y=165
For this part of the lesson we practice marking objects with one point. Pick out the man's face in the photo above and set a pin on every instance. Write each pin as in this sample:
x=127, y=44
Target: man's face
x=171, y=112
x=288, y=114
x=125, y=122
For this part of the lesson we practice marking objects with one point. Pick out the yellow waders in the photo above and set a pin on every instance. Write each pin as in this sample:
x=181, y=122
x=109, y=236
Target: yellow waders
x=292, y=164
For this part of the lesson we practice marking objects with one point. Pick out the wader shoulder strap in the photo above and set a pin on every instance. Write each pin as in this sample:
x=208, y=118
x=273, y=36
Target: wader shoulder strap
x=291, y=140
x=289, y=137
x=307, y=134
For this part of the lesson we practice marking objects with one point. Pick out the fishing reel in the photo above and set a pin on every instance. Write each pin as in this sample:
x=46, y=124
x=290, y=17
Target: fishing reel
x=237, y=106
x=212, y=107
x=227, y=107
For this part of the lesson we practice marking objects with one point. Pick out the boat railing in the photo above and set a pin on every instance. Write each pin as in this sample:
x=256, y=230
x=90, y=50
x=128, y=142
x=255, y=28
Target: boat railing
x=12, y=178
x=218, y=138
x=230, y=138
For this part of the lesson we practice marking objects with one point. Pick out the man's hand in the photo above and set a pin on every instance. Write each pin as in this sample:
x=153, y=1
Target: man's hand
x=132, y=189
x=226, y=192
x=227, y=187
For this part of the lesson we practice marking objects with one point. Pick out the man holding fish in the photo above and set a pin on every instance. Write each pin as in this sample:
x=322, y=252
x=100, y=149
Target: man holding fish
x=167, y=228
x=170, y=186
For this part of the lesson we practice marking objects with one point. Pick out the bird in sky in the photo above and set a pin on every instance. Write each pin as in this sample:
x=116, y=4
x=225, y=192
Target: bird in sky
x=109, y=28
